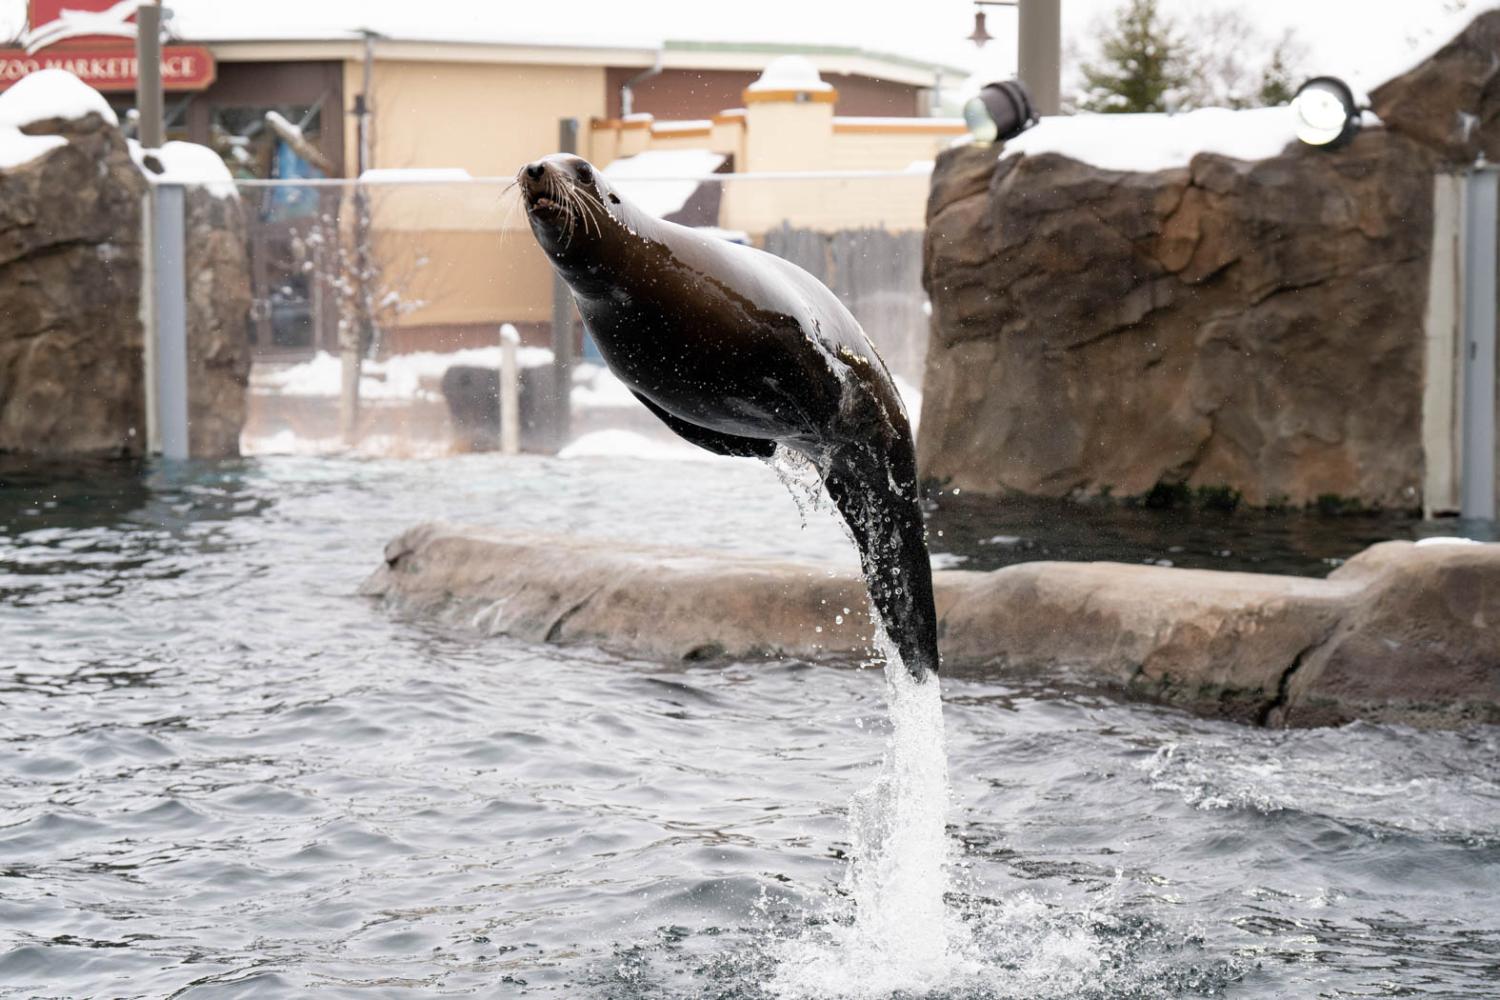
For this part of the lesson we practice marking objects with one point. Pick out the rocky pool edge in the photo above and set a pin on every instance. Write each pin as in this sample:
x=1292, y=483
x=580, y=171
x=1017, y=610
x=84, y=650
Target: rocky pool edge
x=1401, y=633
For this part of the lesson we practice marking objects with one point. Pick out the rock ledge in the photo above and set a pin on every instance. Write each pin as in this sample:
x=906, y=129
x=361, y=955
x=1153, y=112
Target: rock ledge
x=1401, y=633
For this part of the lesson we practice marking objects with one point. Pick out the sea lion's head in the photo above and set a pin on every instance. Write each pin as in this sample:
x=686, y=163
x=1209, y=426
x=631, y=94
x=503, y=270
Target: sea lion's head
x=567, y=201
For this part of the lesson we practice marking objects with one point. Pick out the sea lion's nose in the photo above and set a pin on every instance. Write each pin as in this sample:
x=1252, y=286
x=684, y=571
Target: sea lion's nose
x=534, y=171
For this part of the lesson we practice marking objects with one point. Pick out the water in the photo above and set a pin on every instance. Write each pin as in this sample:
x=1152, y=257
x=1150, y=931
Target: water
x=222, y=774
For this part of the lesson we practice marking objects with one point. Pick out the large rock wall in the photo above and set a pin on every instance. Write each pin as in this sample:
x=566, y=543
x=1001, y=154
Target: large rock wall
x=71, y=369
x=70, y=277
x=1256, y=325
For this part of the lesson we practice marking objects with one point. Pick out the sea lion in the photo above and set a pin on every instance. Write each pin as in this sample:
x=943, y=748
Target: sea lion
x=738, y=351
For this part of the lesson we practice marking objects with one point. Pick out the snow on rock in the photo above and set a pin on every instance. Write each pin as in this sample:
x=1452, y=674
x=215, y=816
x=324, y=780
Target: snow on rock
x=185, y=163
x=660, y=181
x=51, y=93
x=1445, y=540
x=1149, y=142
x=48, y=93
x=790, y=73
x=16, y=147
x=629, y=444
x=402, y=376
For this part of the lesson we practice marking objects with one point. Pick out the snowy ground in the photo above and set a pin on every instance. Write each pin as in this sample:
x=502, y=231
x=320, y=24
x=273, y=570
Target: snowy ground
x=294, y=409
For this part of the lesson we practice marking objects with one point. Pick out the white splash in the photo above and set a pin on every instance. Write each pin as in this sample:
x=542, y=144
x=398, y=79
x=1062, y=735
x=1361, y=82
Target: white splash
x=897, y=933
x=803, y=481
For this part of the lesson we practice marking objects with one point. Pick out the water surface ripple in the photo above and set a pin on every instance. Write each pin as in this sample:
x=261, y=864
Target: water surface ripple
x=222, y=774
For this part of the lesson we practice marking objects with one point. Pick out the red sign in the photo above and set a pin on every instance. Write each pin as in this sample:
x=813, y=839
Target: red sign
x=95, y=41
x=183, y=67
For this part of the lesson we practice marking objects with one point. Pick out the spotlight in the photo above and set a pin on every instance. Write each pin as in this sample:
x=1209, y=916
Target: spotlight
x=1000, y=111
x=1327, y=113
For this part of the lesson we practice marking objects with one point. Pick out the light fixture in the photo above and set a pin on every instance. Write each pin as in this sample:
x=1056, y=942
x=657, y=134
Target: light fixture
x=980, y=35
x=1000, y=111
x=1327, y=113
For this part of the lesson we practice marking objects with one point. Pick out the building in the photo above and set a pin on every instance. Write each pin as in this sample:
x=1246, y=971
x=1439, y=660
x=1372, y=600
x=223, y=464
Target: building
x=291, y=100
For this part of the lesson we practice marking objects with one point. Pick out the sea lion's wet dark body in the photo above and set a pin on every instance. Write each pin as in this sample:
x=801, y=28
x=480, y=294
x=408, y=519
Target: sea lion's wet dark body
x=738, y=350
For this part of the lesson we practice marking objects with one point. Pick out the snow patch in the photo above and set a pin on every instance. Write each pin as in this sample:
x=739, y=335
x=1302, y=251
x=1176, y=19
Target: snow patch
x=402, y=376
x=415, y=175
x=1150, y=142
x=48, y=93
x=186, y=163
x=51, y=93
x=599, y=388
x=629, y=444
x=660, y=181
x=16, y=147
x=790, y=73
x=911, y=398
x=682, y=125
x=1437, y=540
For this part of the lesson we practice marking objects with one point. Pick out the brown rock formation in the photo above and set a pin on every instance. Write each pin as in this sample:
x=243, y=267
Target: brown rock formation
x=1256, y=325
x=1400, y=633
x=218, y=304
x=70, y=331
x=71, y=371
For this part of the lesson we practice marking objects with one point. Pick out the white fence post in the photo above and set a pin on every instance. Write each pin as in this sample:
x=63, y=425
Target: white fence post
x=510, y=391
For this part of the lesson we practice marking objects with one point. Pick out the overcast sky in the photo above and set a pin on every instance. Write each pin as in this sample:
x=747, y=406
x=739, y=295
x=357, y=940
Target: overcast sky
x=1364, y=41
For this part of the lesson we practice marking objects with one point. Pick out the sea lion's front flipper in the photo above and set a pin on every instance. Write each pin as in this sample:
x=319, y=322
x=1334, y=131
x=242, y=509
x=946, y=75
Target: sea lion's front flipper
x=714, y=441
x=877, y=494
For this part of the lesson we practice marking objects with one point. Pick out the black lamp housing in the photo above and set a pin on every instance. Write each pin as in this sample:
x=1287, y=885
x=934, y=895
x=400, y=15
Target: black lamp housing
x=1000, y=111
x=1328, y=114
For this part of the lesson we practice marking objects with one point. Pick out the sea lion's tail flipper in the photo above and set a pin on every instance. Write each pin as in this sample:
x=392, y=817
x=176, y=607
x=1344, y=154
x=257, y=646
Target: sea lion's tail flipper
x=878, y=497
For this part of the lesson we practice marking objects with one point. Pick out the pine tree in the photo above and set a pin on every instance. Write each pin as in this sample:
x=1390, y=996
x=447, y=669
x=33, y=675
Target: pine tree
x=1278, y=81
x=1142, y=66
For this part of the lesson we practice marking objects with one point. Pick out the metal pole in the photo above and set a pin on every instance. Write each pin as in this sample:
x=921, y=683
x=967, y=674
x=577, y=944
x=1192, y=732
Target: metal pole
x=169, y=293
x=510, y=391
x=1040, y=56
x=562, y=321
x=1481, y=231
x=148, y=96
x=148, y=100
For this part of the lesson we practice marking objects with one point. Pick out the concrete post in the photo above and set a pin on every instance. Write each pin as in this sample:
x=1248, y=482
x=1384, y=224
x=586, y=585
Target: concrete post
x=562, y=322
x=169, y=299
x=148, y=93
x=510, y=391
x=1040, y=55
x=1481, y=231
x=1442, y=387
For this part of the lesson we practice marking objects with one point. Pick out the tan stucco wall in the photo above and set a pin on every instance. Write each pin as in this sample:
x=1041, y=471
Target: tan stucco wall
x=487, y=118
x=481, y=263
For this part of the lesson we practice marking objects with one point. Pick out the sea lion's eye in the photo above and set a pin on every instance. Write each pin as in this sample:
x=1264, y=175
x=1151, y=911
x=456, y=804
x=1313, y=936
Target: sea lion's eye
x=585, y=173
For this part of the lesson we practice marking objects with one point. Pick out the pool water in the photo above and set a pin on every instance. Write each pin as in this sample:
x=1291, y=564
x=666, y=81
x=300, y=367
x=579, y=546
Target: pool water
x=224, y=774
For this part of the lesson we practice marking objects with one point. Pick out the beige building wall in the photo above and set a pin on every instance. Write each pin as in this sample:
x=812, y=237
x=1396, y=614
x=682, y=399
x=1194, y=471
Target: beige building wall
x=487, y=118
x=464, y=250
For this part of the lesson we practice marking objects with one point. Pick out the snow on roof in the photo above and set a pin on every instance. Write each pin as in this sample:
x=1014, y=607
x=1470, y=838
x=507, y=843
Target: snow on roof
x=682, y=125
x=1159, y=142
x=51, y=93
x=186, y=163
x=660, y=181
x=790, y=73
